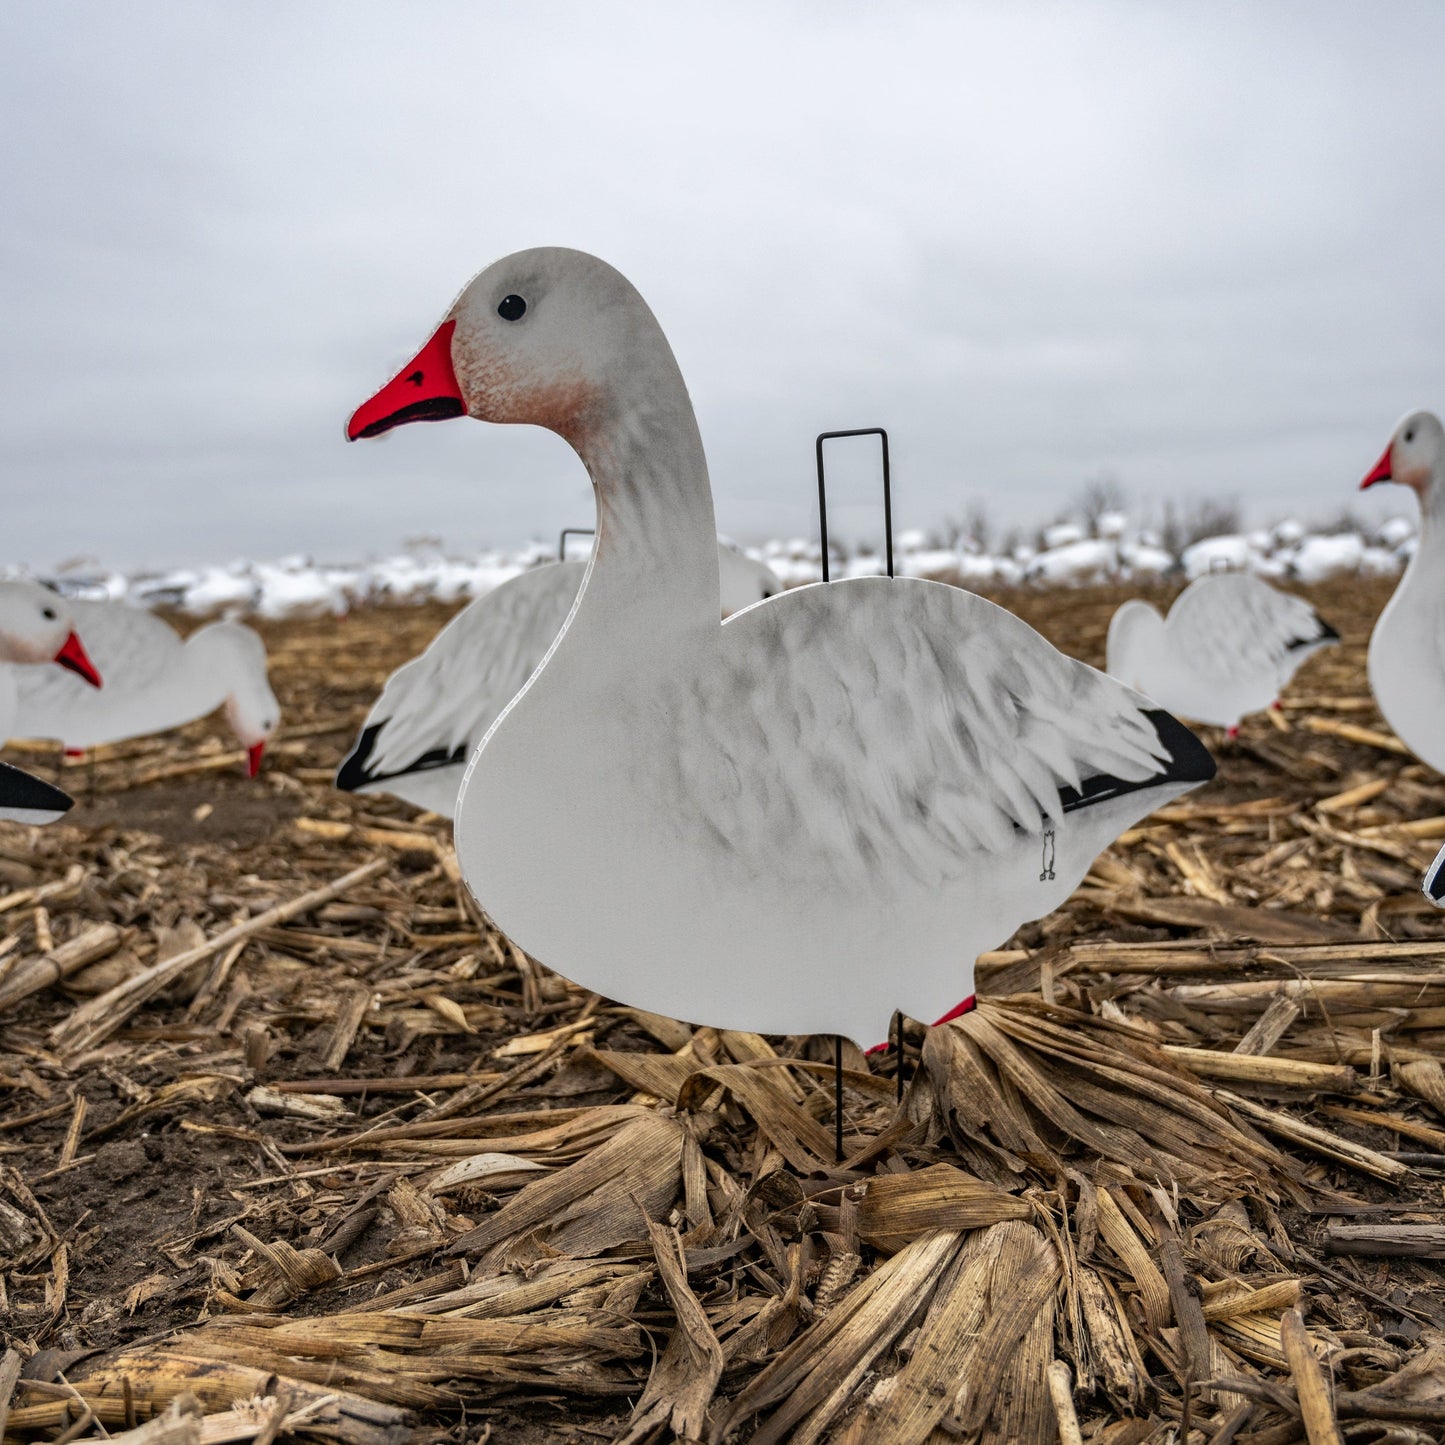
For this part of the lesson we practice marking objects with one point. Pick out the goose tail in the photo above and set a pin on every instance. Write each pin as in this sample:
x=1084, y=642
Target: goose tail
x=359, y=770
x=1187, y=761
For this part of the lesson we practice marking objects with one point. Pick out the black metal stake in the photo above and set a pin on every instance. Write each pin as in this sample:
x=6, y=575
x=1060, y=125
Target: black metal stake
x=865, y=431
x=897, y=1032
x=571, y=532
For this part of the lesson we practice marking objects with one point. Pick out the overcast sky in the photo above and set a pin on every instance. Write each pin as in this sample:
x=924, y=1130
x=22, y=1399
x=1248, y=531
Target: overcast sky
x=1195, y=247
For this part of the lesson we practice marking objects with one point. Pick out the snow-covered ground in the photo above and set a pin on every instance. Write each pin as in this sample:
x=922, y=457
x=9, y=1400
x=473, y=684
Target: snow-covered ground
x=1071, y=554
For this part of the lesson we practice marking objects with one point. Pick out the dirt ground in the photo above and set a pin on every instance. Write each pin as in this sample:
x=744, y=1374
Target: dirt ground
x=240, y=1183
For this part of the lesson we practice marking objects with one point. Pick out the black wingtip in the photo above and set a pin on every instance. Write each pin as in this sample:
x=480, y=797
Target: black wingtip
x=25, y=793
x=1189, y=762
x=357, y=773
x=354, y=773
x=1325, y=634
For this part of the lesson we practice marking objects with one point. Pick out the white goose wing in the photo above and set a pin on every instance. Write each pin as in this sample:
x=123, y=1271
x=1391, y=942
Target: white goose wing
x=911, y=728
x=435, y=709
x=133, y=651
x=1235, y=623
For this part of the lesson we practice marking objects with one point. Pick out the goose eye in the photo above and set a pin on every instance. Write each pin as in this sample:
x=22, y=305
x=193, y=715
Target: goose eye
x=48, y=613
x=1409, y=436
x=511, y=308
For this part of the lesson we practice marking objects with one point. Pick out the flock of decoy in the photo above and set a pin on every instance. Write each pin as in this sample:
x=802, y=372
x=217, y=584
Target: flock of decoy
x=705, y=817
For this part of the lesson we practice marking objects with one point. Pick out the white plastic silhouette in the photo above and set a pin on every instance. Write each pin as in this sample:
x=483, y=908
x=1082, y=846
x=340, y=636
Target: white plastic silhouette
x=800, y=819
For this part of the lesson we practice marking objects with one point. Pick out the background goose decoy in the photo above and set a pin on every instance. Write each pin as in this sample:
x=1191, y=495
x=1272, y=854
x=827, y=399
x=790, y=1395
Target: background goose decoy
x=1228, y=647
x=795, y=821
x=1407, y=647
x=36, y=627
x=157, y=682
x=434, y=710
x=24, y=798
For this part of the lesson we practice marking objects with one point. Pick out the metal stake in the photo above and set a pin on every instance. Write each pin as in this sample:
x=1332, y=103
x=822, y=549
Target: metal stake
x=571, y=532
x=866, y=431
x=882, y=435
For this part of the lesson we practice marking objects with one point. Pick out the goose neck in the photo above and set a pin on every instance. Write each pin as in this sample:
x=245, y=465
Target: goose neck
x=655, y=555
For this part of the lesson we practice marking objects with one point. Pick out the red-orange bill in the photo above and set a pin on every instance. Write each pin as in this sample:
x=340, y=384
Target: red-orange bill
x=74, y=658
x=425, y=389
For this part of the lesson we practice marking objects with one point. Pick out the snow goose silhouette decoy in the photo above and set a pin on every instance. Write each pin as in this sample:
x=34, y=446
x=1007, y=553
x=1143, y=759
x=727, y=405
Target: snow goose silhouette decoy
x=157, y=682
x=1433, y=885
x=1229, y=645
x=1407, y=647
x=434, y=710
x=35, y=627
x=795, y=821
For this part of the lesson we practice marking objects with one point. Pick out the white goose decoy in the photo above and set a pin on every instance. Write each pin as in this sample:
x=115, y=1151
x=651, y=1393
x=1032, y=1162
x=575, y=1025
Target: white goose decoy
x=158, y=682
x=795, y=821
x=1407, y=647
x=1433, y=885
x=1229, y=645
x=24, y=798
x=35, y=627
x=434, y=710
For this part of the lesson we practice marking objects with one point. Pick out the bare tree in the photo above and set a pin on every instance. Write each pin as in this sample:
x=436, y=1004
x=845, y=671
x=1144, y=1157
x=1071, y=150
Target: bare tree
x=972, y=529
x=1344, y=521
x=1100, y=493
x=1198, y=518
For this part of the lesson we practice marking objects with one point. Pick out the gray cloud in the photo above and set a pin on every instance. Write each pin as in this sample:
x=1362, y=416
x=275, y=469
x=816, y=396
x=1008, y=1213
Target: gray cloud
x=1194, y=246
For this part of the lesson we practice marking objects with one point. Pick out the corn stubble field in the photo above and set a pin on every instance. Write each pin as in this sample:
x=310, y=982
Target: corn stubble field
x=292, y=1144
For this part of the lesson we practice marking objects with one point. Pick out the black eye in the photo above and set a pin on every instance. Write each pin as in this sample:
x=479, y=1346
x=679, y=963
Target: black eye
x=1409, y=436
x=511, y=308
x=48, y=613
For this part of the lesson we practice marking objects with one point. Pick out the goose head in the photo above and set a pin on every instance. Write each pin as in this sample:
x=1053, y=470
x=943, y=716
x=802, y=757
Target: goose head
x=550, y=336
x=253, y=720
x=36, y=626
x=253, y=715
x=1415, y=457
x=1136, y=634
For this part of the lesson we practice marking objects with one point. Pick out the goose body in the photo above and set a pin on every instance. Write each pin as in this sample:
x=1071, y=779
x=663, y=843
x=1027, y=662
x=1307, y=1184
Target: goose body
x=1407, y=647
x=158, y=682
x=1228, y=646
x=797, y=820
x=434, y=710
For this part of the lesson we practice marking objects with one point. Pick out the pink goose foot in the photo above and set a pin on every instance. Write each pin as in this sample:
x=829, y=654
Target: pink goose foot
x=957, y=1011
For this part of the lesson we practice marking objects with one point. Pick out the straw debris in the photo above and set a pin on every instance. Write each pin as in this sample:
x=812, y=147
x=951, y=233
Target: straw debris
x=295, y=1144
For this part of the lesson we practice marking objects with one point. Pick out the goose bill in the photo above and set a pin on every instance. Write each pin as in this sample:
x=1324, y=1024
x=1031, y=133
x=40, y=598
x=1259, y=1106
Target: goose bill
x=1380, y=472
x=73, y=657
x=253, y=759
x=425, y=389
